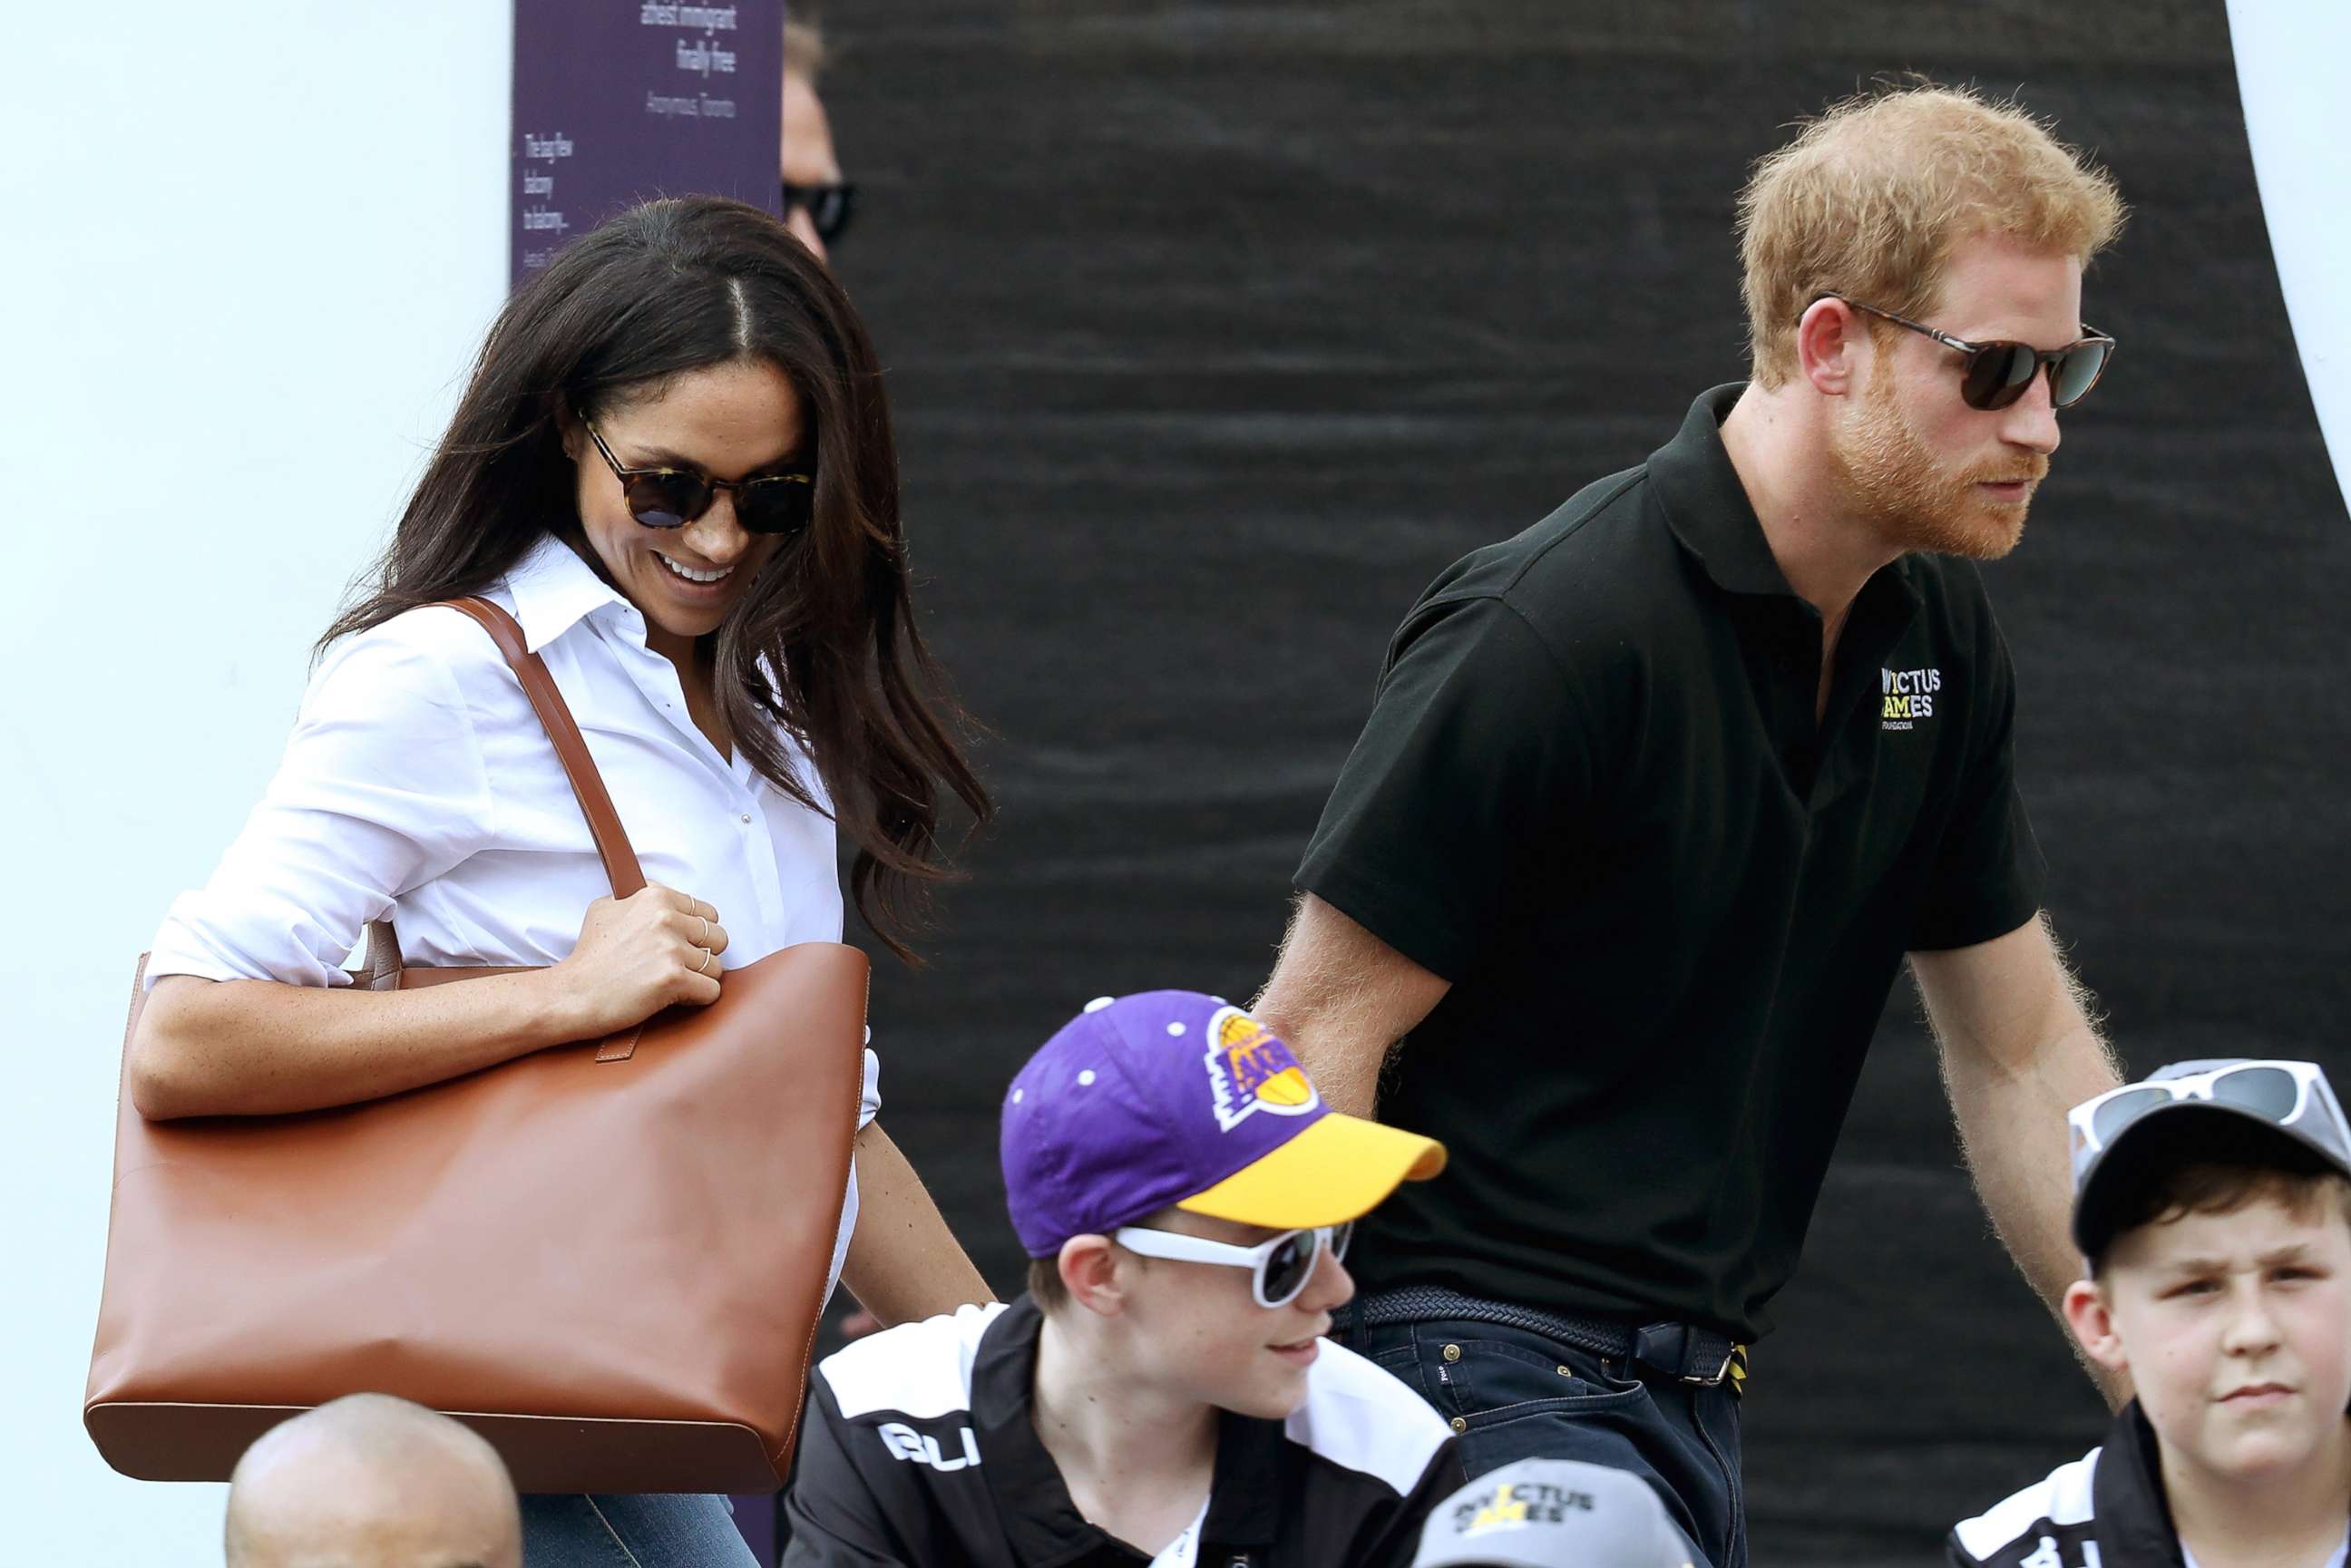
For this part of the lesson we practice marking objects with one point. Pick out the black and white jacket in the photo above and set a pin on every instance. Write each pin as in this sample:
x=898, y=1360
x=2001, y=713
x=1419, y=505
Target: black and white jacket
x=2105, y=1510
x=917, y=1451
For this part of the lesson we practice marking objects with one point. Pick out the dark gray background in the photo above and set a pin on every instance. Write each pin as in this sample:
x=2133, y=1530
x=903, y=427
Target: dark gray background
x=1216, y=330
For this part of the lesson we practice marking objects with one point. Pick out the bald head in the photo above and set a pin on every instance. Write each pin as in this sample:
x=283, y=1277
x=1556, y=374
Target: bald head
x=371, y=1481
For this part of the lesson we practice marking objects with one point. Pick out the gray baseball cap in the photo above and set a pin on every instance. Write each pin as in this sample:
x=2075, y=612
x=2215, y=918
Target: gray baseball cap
x=2223, y=1109
x=1553, y=1513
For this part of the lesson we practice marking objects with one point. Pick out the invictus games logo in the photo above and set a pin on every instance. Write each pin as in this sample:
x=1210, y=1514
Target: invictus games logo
x=1251, y=1069
x=1515, y=1505
x=1909, y=696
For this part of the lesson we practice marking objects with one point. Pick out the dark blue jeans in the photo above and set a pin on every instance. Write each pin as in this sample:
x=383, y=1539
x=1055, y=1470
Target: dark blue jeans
x=1515, y=1395
x=658, y=1529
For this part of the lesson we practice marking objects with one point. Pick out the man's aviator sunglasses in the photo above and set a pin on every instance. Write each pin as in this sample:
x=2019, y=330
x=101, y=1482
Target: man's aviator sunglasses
x=2285, y=1093
x=1998, y=373
x=672, y=497
x=1278, y=1268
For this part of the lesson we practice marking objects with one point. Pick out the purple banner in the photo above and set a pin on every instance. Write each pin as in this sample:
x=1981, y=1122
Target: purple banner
x=616, y=101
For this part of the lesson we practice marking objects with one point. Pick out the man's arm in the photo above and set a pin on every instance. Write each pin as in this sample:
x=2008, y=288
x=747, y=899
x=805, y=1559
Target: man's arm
x=2020, y=1048
x=1342, y=998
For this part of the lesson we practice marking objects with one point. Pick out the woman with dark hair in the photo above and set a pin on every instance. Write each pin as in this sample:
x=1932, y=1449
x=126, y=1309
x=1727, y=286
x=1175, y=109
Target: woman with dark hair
x=673, y=466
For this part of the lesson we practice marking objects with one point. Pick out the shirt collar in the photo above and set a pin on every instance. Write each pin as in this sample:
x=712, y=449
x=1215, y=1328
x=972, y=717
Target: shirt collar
x=2131, y=1517
x=1032, y=1501
x=1041, y=1523
x=1706, y=505
x=1707, y=509
x=1245, y=1501
x=554, y=589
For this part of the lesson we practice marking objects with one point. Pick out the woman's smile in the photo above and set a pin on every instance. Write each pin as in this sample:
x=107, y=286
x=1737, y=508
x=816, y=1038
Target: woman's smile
x=686, y=572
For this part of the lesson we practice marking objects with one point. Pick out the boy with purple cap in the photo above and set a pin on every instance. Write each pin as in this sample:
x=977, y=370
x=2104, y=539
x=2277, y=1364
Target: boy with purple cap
x=2212, y=1202
x=1163, y=1394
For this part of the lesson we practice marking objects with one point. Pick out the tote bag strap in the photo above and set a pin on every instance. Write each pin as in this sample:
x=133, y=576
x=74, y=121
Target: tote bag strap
x=604, y=822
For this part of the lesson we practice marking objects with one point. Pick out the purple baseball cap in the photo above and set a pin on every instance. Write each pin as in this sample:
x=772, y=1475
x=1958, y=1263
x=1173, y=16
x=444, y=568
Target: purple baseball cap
x=1172, y=1098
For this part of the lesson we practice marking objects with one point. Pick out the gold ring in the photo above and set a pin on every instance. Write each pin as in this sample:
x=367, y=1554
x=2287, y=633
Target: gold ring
x=704, y=933
x=703, y=967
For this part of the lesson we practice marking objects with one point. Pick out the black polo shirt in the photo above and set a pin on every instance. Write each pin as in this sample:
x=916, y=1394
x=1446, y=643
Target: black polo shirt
x=1592, y=795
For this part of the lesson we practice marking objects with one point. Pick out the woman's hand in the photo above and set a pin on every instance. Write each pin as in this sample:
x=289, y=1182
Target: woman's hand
x=653, y=949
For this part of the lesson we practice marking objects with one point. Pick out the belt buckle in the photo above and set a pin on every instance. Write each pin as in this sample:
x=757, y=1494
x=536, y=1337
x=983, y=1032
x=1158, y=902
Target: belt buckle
x=1667, y=1348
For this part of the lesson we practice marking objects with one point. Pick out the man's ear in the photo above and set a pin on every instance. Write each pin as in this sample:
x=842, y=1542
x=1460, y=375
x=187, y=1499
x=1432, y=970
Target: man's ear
x=1091, y=1273
x=1832, y=346
x=2090, y=1314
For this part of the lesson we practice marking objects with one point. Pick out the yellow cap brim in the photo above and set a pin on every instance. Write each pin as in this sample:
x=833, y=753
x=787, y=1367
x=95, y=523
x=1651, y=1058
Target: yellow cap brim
x=1341, y=1168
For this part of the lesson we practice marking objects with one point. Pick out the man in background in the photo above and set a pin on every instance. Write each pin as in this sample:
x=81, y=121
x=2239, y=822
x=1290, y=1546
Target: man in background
x=815, y=198
x=372, y=1481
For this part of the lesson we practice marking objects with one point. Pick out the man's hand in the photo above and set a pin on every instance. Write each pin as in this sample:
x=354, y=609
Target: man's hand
x=1341, y=998
x=2020, y=1048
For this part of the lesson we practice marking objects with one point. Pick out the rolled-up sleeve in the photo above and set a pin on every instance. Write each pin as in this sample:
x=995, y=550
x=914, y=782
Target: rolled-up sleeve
x=381, y=789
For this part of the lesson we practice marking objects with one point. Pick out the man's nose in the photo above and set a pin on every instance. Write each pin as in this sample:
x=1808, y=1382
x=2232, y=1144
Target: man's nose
x=2030, y=422
x=803, y=229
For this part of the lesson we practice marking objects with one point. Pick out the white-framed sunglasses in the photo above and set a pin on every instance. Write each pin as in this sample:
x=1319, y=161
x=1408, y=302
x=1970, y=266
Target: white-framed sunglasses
x=1278, y=1268
x=2292, y=1095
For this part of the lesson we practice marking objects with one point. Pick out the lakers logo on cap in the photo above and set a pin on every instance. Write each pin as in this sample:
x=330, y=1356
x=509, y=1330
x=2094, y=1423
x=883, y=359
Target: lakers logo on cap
x=1251, y=1069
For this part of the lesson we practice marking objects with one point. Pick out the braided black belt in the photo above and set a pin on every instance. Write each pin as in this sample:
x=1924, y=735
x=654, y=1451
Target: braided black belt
x=1679, y=1351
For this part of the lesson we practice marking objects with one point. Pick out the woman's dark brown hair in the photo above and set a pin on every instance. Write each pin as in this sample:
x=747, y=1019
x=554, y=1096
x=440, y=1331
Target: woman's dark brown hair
x=672, y=287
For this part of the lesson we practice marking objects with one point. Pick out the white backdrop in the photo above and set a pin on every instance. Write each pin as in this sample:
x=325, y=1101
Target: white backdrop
x=2289, y=73
x=248, y=252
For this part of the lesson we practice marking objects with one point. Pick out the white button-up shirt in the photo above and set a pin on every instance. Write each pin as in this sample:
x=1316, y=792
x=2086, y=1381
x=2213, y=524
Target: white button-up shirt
x=419, y=787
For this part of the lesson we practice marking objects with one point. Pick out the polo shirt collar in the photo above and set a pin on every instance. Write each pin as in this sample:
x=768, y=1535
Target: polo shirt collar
x=554, y=590
x=1032, y=1501
x=1245, y=1501
x=1707, y=506
x=2132, y=1516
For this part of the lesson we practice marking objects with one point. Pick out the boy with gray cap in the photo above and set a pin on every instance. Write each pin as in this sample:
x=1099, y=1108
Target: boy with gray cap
x=2212, y=1202
x=1162, y=1398
x=1553, y=1513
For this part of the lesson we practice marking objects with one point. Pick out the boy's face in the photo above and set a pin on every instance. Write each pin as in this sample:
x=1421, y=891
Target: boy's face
x=1205, y=1336
x=2236, y=1328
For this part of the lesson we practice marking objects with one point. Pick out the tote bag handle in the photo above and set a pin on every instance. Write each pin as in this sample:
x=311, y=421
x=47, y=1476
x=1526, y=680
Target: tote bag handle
x=604, y=822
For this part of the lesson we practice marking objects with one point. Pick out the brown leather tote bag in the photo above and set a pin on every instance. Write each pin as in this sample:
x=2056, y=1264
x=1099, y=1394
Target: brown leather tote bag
x=608, y=1258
